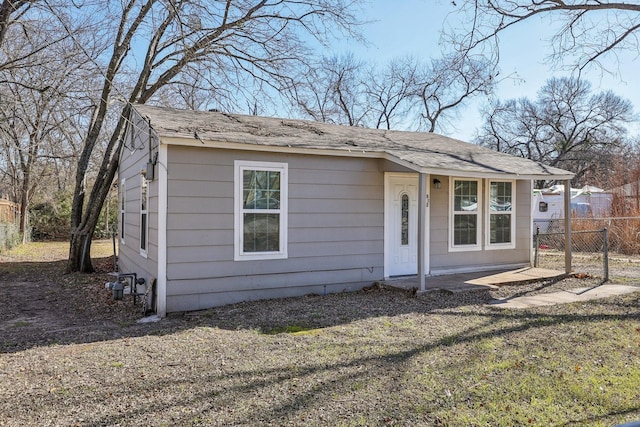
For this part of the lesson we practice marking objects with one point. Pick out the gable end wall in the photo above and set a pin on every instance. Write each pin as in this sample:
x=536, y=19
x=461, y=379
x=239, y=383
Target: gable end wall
x=133, y=159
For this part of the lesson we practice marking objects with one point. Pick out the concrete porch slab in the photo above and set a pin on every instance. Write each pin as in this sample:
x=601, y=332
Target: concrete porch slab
x=521, y=275
x=465, y=282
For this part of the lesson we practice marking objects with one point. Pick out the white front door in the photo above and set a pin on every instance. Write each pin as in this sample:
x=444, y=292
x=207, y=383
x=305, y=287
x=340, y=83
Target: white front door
x=401, y=223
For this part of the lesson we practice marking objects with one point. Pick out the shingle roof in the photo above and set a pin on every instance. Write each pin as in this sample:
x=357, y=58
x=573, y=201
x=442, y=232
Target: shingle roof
x=421, y=151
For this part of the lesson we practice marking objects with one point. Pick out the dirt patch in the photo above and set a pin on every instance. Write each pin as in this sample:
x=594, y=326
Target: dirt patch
x=42, y=305
x=71, y=355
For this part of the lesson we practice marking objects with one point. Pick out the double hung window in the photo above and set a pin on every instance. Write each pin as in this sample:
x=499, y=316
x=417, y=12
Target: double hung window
x=466, y=215
x=500, y=226
x=260, y=210
x=467, y=209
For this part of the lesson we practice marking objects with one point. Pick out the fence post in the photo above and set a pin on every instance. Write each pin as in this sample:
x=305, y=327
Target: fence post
x=567, y=227
x=605, y=253
x=537, y=243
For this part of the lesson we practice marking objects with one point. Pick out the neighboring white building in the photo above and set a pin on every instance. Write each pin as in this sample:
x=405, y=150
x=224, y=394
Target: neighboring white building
x=586, y=202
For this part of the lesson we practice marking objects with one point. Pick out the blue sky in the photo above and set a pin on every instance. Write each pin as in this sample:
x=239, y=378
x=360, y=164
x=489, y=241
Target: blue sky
x=412, y=27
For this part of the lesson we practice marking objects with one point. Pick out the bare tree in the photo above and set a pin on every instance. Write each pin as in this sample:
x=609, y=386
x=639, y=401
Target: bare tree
x=38, y=77
x=192, y=90
x=334, y=91
x=389, y=93
x=567, y=126
x=232, y=44
x=403, y=93
x=10, y=12
x=35, y=117
x=447, y=83
x=587, y=32
x=25, y=20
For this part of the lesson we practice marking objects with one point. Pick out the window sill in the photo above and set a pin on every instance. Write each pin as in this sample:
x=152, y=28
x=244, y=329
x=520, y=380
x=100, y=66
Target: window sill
x=499, y=246
x=265, y=256
x=469, y=248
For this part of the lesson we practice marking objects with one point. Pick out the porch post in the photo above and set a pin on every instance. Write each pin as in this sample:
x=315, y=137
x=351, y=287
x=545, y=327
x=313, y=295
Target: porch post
x=422, y=205
x=567, y=226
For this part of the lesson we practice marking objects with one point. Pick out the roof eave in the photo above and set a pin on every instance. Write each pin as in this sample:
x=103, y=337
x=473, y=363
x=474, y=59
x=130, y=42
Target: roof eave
x=290, y=149
x=473, y=174
x=180, y=140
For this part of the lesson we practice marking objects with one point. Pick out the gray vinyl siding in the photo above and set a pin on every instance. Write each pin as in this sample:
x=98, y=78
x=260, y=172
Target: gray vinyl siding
x=335, y=204
x=335, y=229
x=444, y=260
x=524, y=220
x=132, y=161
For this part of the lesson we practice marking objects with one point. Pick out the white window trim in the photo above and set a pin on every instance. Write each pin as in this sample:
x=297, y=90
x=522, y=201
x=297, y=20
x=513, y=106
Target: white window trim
x=144, y=251
x=239, y=167
x=487, y=224
x=122, y=207
x=465, y=248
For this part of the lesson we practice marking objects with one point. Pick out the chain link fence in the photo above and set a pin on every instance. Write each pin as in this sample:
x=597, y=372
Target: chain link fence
x=607, y=248
x=588, y=248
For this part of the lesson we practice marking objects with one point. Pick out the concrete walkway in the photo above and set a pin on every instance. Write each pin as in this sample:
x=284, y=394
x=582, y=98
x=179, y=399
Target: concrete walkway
x=564, y=297
x=465, y=282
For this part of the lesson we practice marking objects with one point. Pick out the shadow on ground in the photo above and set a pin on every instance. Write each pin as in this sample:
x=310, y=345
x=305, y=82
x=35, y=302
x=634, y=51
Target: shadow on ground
x=41, y=306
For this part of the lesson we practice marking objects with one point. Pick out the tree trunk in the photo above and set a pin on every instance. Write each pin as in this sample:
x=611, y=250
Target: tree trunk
x=80, y=252
x=85, y=220
x=263, y=33
x=24, y=206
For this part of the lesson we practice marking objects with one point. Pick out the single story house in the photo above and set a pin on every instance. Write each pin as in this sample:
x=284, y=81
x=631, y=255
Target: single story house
x=218, y=208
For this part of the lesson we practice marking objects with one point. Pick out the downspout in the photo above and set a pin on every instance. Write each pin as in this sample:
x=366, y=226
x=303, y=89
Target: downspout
x=422, y=209
x=567, y=226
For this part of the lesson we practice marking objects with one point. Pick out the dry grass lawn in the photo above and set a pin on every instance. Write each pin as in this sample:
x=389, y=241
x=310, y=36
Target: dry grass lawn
x=70, y=355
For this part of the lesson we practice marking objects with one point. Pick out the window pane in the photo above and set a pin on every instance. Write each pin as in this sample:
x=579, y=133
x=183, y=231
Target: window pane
x=261, y=232
x=543, y=206
x=404, y=226
x=261, y=189
x=248, y=189
x=123, y=206
x=143, y=195
x=500, y=226
x=500, y=196
x=143, y=232
x=465, y=197
x=465, y=229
